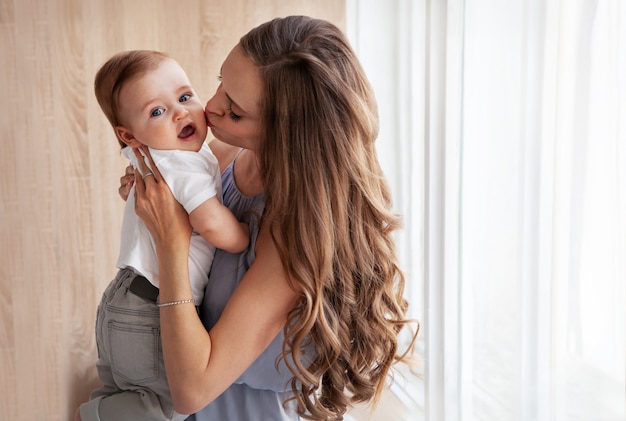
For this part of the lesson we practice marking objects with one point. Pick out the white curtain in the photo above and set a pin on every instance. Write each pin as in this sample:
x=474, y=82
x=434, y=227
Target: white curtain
x=503, y=132
x=543, y=210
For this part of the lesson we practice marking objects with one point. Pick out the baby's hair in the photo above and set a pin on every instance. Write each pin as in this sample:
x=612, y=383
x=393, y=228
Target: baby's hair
x=116, y=72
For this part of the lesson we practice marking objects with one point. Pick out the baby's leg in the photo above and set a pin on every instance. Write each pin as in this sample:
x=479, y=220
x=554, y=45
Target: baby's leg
x=126, y=406
x=130, y=361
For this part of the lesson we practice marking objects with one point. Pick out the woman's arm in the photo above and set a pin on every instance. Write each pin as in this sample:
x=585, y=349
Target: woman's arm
x=200, y=364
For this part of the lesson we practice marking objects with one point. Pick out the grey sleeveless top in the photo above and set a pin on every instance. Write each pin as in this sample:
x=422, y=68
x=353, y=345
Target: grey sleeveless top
x=260, y=391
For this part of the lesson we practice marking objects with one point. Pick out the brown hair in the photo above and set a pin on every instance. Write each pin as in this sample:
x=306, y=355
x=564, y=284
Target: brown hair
x=329, y=209
x=116, y=72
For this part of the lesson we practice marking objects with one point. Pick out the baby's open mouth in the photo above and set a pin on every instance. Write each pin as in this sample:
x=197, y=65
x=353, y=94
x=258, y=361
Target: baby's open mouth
x=187, y=131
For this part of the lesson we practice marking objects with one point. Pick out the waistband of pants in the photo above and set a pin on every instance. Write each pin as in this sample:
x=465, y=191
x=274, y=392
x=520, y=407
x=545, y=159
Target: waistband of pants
x=141, y=287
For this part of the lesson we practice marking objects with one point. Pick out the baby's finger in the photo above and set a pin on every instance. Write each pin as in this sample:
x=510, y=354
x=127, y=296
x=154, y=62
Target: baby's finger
x=126, y=183
x=124, y=190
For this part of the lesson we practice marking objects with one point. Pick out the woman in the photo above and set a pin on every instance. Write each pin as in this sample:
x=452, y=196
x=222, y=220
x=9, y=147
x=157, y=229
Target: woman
x=306, y=321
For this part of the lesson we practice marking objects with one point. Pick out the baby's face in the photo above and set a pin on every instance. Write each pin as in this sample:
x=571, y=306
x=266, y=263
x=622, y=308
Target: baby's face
x=160, y=109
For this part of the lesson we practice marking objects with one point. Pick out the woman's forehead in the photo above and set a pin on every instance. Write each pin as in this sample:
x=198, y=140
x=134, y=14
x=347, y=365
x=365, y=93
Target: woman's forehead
x=241, y=80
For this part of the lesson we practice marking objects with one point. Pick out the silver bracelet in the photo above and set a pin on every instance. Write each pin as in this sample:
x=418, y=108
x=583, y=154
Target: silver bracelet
x=173, y=303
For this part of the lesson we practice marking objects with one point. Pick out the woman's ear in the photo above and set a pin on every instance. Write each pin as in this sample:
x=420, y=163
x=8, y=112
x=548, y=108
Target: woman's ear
x=127, y=137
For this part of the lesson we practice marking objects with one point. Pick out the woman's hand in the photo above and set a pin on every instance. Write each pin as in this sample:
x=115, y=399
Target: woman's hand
x=126, y=182
x=155, y=204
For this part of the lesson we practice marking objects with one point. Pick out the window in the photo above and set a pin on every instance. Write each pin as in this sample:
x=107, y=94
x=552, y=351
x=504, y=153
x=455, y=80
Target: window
x=503, y=134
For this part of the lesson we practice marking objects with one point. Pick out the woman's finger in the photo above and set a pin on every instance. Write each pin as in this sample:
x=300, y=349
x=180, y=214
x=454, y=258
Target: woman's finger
x=140, y=185
x=155, y=170
x=144, y=170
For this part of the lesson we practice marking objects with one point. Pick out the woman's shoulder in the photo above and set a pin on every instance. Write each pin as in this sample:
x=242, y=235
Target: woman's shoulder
x=224, y=152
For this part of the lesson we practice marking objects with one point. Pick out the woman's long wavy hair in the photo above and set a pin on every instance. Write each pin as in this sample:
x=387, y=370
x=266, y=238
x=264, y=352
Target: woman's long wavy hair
x=328, y=207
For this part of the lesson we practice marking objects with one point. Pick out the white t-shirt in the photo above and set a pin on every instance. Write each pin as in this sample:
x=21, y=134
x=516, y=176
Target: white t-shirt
x=193, y=178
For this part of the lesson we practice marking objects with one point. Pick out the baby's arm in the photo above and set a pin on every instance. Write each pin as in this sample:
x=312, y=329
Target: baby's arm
x=217, y=225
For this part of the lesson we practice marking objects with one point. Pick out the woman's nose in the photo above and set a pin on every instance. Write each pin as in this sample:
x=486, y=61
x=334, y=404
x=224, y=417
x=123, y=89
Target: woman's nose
x=213, y=105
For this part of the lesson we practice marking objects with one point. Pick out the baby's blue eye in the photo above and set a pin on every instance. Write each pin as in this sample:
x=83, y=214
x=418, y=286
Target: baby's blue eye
x=184, y=98
x=157, y=112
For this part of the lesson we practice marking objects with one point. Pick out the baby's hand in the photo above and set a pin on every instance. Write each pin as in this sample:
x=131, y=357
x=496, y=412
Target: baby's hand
x=126, y=182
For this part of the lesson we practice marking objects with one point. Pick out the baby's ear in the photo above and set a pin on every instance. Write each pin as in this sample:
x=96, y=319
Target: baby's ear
x=127, y=137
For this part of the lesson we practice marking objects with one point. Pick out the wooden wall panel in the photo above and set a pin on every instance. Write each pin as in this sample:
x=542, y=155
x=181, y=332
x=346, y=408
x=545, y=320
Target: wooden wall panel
x=60, y=214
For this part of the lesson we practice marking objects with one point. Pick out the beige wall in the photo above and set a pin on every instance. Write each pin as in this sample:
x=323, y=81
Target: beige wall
x=59, y=211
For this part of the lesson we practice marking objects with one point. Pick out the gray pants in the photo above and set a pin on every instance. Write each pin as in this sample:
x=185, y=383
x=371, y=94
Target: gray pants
x=130, y=360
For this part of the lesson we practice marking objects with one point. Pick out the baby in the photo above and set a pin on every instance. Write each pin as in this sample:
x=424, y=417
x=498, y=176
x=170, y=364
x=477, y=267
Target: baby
x=149, y=101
